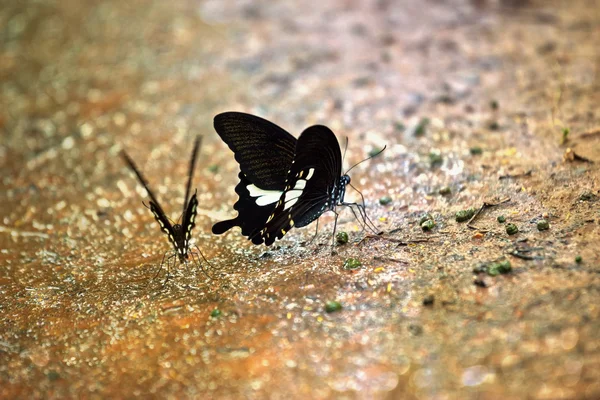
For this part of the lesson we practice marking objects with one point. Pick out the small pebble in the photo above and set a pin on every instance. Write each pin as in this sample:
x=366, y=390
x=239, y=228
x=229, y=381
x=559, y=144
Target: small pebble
x=445, y=190
x=428, y=300
x=511, y=229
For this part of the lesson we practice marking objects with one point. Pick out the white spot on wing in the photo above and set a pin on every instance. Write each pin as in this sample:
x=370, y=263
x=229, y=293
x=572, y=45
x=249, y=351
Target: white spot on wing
x=263, y=197
x=311, y=171
x=290, y=203
x=292, y=194
x=301, y=184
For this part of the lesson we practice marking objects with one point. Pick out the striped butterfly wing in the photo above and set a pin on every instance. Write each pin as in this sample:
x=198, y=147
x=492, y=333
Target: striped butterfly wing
x=310, y=185
x=265, y=153
x=188, y=223
x=165, y=224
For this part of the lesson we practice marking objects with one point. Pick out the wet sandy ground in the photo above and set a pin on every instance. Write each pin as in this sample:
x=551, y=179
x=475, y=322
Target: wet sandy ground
x=477, y=102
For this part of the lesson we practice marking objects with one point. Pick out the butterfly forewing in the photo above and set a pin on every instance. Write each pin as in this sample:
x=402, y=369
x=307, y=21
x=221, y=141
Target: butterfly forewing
x=310, y=184
x=189, y=220
x=264, y=150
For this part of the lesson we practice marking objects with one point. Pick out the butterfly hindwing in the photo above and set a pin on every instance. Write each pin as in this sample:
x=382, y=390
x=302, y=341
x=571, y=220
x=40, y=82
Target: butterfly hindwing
x=264, y=150
x=189, y=220
x=310, y=184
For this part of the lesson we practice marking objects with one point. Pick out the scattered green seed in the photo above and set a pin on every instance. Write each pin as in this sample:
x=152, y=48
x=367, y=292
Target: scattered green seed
x=494, y=105
x=421, y=128
x=499, y=268
x=494, y=125
x=341, y=238
x=444, y=191
x=333, y=306
x=385, y=200
x=501, y=219
x=543, y=225
x=215, y=313
x=399, y=126
x=475, y=150
x=578, y=259
x=352, y=263
x=511, y=229
x=425, y=217
x=435, y=158
x=465, y=215
x=53, y=376
x=214, y=168
x=428, y=225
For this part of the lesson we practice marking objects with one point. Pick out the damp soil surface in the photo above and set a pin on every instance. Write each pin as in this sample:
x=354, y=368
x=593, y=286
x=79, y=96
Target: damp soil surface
x=483, y=105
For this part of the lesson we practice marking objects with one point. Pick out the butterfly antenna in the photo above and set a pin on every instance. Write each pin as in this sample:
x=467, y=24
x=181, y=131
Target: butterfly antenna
x=345, y=148
x=366, y=159
x=191, y=171
x=141, y=179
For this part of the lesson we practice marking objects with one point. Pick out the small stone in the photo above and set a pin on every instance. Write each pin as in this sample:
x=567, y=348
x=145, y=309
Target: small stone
x=501, y=219
x=511, y=229
x=385, y=200
x=465, y=215
x=587, y=196
x=341, y=238
x=444, y=191
x=428, y=300
x=352, y=263
x=494, y=125
x=578, y=259
x=215, y=313
x=543, y=225
x=333, y=306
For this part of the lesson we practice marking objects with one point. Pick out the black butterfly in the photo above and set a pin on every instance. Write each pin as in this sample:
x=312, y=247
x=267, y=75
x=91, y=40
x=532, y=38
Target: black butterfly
x=179, y=234
x=284, y=182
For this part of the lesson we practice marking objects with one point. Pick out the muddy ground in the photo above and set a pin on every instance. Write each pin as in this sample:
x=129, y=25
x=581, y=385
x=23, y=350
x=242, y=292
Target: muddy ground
x=478, y=102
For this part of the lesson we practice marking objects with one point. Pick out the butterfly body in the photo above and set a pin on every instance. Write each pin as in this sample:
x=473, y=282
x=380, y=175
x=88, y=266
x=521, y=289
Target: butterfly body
x=284, y=182
x=179, y=234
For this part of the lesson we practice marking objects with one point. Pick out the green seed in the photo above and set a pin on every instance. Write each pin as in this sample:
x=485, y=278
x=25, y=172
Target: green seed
x=465, y=215
x=565, y=135
x=428, y=225
x=499, y=268
x=578, y=259
x=445, y=190
x=511, y=229
x=494, y=105
x=352, y=263
x=543, y=225
x=435, y=158
x=425, y=217
x=501, y=219
x=341, y=238
x=214, y=168
x=215, y=313
x=385, y=200
x=333, y=306
x=494, y=125
x=421, y=127
x=476, y=150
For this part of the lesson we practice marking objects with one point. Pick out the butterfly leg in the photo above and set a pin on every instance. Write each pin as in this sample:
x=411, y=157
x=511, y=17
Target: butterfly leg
x=199, y=263
x=333, y=234
x=315, y=235
x=168, y=275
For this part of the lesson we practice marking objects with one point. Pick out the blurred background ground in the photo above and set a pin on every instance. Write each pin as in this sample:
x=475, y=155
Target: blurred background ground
x=476, y=100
